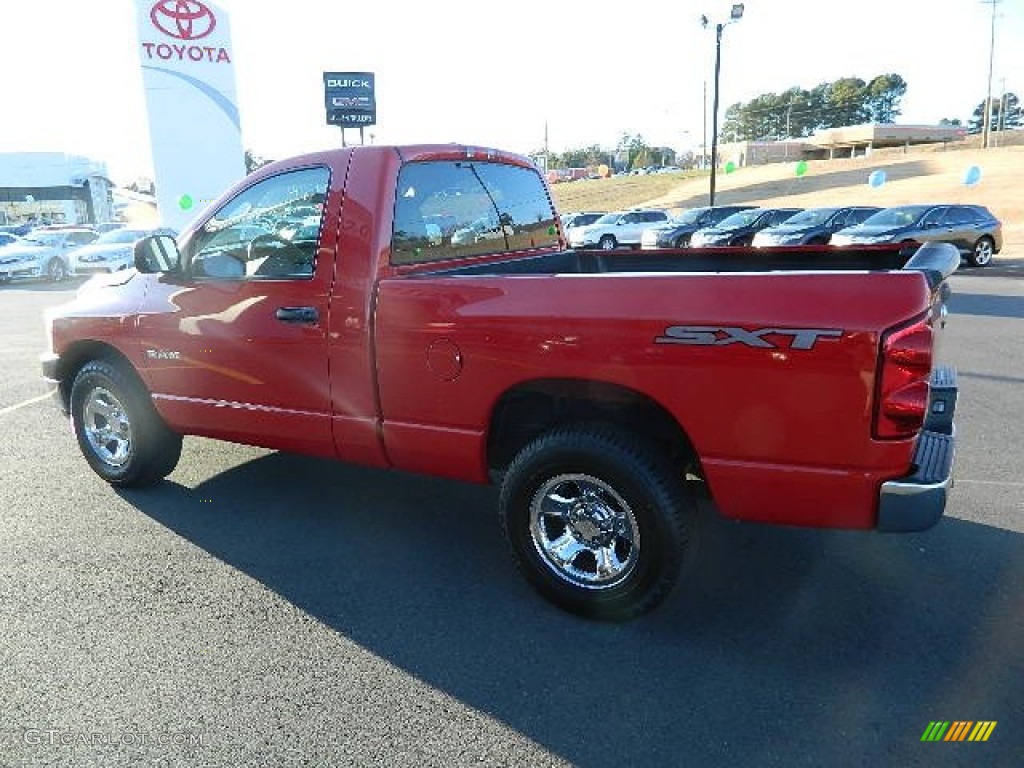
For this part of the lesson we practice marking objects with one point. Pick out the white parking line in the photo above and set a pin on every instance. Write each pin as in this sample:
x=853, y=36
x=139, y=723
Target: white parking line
x=10, y=408
x=1006, y=483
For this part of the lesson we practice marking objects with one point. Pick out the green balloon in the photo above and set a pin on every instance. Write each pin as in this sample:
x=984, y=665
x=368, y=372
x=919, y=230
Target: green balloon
x=185, y=202
x=730, y=167
x=801, y=168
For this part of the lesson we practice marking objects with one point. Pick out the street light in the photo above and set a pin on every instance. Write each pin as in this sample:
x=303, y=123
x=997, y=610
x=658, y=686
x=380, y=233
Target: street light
x=734, y=15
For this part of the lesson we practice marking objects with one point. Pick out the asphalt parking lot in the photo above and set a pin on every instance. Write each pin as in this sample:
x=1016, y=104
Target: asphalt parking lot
x=262, y=609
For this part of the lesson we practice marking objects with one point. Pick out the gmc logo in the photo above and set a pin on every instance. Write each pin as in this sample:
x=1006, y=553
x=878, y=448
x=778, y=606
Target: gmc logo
x=720, y=336
x=350, y=101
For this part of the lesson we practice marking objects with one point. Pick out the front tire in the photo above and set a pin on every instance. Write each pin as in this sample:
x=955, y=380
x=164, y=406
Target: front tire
x=598, y=522
x=981, y=254
x=56, y=271
x=607, y=243
x=118, y=430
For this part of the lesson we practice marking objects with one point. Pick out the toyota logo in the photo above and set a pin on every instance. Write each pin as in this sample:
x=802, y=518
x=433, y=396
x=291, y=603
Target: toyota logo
x=183, y=19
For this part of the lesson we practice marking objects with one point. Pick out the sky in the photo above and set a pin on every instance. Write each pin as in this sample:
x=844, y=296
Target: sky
x=494, y=74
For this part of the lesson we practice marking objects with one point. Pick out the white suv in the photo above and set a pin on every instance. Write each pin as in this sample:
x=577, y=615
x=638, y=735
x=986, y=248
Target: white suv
x=617, y=228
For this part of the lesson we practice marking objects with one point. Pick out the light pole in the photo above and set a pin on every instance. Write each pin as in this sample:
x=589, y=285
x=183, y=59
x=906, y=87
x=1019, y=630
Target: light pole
x=986, y=125
x=734, y=15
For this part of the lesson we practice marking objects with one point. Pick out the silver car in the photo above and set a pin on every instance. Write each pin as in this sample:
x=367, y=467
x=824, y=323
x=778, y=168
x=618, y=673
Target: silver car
x=617, y=228
x=44, y=253
x=111, y=251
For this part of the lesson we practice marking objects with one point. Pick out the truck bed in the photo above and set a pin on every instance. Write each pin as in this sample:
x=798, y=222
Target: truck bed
x=786, y=258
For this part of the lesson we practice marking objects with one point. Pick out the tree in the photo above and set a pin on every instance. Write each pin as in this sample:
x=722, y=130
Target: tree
x=636, y=150
x=947, y=121
x=883, y=97
x=847, y=99
x=1012, y=118
x=1014, y=115
x=585, y=157
x=797, y=112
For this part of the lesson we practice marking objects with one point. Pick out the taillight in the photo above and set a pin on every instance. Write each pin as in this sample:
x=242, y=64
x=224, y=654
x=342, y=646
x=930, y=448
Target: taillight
x=906, y=365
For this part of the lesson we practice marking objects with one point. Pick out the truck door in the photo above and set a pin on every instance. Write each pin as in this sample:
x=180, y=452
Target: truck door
x=236, y=347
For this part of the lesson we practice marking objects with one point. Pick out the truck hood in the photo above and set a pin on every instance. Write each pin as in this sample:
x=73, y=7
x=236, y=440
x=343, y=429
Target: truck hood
x=107, y=280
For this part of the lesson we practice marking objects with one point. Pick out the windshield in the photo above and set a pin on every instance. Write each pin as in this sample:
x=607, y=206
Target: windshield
x=896, y=217
x=608, y=218
x=812, y=217
x=691, y=216
x=740, y=219
x=122, y=236
x=45, y=238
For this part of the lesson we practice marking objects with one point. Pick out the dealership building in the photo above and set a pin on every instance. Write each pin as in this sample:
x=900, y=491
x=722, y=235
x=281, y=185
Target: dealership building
x=55, y=187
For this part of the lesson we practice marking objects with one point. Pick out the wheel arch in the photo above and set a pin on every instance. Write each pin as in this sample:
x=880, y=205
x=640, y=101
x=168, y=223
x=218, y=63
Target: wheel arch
x=78, y=353
x=531, y=408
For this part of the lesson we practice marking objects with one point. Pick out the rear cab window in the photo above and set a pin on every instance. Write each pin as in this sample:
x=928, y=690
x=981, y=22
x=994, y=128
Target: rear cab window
x=457, y=209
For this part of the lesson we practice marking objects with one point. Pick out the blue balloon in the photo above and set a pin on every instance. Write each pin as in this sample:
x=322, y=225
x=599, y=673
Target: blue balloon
x=972, y=176
x=876, y=179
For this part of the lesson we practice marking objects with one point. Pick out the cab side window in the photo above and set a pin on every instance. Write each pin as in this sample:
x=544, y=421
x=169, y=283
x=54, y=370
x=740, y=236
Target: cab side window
x=269, y=231
x=448, y=209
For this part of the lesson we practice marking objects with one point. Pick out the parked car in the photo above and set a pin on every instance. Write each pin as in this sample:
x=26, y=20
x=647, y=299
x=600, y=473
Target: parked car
x=109, y=226
x=616, y=228
x=814, y=226
x=483, y=228
x=17, y=229
x=9, y=238
x=740, y=227
x=975, y=232
x=112, y=251
x=677, y=232
x=579, y=219
x=43, y=253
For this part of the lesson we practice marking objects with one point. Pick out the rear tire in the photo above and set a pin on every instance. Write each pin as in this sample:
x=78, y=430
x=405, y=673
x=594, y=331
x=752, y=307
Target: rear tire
x=981, y=254
x=118, y=430
x=599, y=522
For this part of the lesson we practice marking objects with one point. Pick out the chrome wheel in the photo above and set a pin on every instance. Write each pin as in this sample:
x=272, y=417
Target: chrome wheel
x=584, y=531
x=56, y=270
x=983, y=250
x=607, y=243
x=107, y=428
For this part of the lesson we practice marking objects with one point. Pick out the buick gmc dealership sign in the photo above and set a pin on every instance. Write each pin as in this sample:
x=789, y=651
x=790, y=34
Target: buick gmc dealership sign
x=194, y=125
x=349, y=99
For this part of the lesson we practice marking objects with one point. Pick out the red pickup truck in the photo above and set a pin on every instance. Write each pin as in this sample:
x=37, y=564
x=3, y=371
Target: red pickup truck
x=417, y=307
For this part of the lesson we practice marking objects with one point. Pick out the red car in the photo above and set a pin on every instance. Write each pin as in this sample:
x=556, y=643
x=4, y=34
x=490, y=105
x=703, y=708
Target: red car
x=598, y=388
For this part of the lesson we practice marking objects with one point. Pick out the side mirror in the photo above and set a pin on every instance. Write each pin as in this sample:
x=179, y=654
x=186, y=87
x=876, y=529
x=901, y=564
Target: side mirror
x=157, y=253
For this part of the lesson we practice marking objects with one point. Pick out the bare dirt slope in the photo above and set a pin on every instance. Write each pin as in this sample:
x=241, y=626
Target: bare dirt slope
x=915, y=177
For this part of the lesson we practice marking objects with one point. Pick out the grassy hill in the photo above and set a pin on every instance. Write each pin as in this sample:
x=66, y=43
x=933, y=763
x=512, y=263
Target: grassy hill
x=922, y=175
